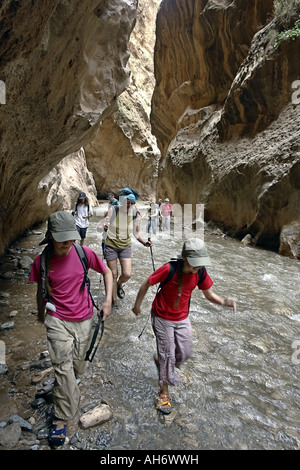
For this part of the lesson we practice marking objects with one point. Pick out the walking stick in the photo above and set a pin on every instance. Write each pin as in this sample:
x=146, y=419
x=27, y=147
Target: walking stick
x=149, y=240
x=88, y=356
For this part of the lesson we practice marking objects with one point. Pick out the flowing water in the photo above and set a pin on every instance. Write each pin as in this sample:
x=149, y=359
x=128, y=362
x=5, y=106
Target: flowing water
x=240, y=389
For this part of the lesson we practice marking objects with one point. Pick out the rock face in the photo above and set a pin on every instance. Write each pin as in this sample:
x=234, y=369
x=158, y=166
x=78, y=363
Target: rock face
x=123, y=152
x=225, y=120
x=60, y=186
x=62, y=75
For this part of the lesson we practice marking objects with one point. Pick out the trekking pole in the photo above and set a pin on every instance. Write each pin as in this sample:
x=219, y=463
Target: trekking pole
x=99, y=323
x=101, y=275
x=149, y=240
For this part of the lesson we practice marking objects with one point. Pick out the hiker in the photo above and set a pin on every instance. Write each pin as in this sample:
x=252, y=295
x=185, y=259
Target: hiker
x=116, y=229
x=166, y=210
x=170, y=309
x=152, y=218
x=112, y=201
x=68, y=316
x=82, y=212
x=160, y=202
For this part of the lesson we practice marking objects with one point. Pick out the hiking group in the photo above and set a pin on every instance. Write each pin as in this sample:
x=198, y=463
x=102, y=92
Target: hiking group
x=65, y=304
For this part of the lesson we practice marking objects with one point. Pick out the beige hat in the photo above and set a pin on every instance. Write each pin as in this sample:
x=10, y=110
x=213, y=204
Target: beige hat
x=62, y=227
x=194, y=250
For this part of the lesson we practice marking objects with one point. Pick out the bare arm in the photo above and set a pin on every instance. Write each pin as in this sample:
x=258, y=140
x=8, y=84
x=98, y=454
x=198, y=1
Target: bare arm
x=140, y=296
x=108, y=282
x=214, y=298
x=104, y=223
x=136, y=233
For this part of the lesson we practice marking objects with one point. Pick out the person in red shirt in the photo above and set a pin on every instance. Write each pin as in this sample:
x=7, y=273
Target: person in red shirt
x=170, y=310
x=166, y=211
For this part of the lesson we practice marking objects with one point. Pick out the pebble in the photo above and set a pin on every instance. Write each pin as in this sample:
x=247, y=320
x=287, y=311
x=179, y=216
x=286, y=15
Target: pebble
x=96, y=416
x=9, y=325
x=13, y=313
x=25, y=425
x=10, y=435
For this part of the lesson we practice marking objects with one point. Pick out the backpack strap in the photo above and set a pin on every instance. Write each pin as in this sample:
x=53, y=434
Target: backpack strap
x=84, y=261
x=202, y=273
x=173, y=266
x=43, y=271
x=173, y=263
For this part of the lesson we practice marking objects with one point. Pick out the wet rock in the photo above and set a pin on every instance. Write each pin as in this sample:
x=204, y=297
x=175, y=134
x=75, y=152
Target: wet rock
x=248, y=240
x=3, y=368
x=10, y=435
x=9, y=325
x=43, y=433
x=38, y=403
x=39, y=376
x=13, y=313
x=26, y=263
x=25, y=425
x=96, y=416
x=44, y=363
x=102, y=440
x=8, y=275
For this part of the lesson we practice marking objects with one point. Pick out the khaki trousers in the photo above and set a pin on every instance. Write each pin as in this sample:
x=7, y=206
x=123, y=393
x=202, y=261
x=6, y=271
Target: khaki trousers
x=67, y=344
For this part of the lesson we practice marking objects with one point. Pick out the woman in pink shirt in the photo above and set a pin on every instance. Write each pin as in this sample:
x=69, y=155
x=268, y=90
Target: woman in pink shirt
x=170, y=309
x=67, y=315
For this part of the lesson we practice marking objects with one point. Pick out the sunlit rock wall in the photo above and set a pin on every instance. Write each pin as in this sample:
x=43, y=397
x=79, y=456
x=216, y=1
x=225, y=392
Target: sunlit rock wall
x=63, y=64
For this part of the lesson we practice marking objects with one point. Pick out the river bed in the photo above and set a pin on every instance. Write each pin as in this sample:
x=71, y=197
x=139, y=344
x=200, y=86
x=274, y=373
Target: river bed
x=240, y=389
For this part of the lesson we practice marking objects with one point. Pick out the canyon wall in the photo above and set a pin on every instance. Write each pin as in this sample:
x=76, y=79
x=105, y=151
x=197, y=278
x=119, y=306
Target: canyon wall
x=224, y=118
x=64, y=63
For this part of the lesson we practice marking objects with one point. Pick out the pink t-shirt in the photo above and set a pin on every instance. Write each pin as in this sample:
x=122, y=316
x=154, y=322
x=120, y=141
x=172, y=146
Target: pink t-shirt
x=165, y=300
x=66, y=276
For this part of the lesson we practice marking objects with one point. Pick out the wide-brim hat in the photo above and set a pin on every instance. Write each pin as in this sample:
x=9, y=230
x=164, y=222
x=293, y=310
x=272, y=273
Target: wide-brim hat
x=195, y=251
x=62, y=227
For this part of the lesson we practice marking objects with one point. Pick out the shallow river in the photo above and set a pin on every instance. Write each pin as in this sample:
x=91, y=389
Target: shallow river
x=240, y=389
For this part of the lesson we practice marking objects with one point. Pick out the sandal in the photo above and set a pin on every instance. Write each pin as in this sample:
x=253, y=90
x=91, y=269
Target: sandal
x=163, y=403
x=56, y=436
x=120, y=292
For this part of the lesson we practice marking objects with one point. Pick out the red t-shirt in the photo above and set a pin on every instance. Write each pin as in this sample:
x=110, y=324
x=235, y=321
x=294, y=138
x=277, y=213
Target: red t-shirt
x=164, y=302
x=66, y=276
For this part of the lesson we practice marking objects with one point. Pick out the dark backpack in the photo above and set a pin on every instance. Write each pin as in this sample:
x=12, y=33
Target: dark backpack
x=173, y=263
x=84, y=261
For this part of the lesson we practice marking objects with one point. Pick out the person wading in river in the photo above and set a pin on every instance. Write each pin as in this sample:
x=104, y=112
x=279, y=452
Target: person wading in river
x=68, y=318
x=170, y=309
x=117, y=227
x=82, y=212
